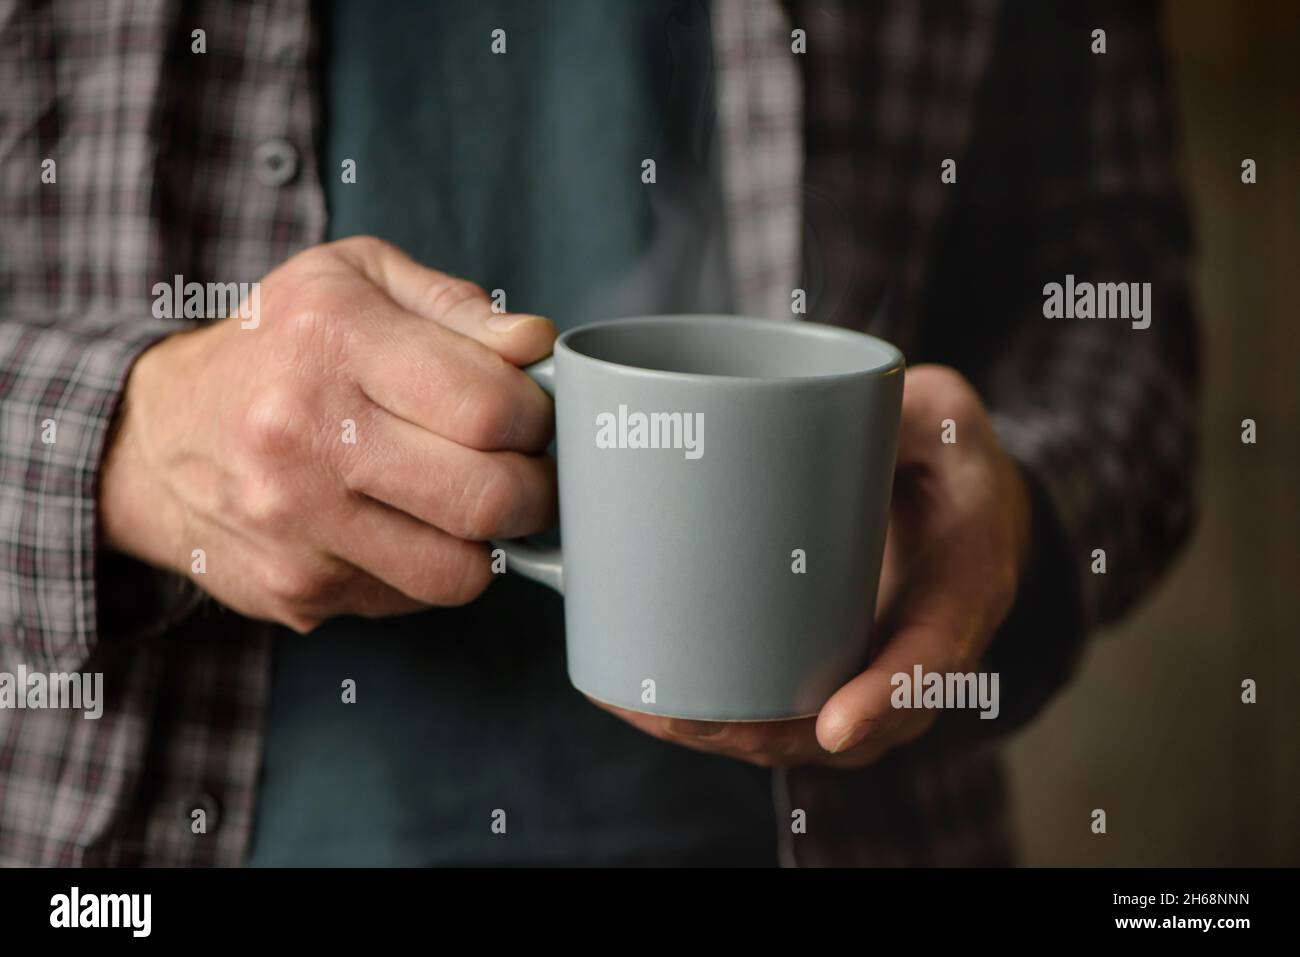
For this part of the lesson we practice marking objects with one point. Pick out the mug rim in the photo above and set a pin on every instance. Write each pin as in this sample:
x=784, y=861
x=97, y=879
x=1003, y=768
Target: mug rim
x=892, y=363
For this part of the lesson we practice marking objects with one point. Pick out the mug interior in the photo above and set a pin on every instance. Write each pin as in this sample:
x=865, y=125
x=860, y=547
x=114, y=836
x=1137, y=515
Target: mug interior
x=732, y=346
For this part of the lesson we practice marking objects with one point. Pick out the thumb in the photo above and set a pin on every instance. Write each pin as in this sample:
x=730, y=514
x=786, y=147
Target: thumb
x=460, y=305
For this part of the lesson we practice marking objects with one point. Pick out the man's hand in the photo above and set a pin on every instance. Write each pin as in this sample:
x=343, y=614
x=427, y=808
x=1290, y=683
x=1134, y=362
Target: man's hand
x=236, y=441
x=957, y=545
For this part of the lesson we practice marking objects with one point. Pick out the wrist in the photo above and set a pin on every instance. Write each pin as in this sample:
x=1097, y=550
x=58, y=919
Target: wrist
x=137, y=514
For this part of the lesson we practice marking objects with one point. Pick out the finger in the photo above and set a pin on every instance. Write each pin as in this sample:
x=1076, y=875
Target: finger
x=862, y=710
x=656, y=726
x=891, y=577
x=919, y=425
x=772, y=738
x=651, y=724
x=469, y=494
x=370, y=597
x=937, y=399
x=765, y=743
x=457, y=304
x=446, y=383
x=418, y=560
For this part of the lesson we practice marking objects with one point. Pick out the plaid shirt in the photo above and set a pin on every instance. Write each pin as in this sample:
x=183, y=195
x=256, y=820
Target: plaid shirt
x=173, y=162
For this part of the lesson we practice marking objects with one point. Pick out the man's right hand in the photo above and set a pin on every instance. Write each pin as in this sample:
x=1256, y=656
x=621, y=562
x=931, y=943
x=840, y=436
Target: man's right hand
x=234, y=440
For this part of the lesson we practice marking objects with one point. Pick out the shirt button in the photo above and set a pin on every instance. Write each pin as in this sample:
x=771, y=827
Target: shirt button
x=204, y=802
x=276, y=162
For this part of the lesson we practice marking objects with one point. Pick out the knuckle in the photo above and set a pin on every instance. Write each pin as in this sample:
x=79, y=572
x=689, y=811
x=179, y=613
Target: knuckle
x=941, y=376
x=274, y=426
x=949, y=387
x=295, y=586
x=313, y=328
x=490, y=505
x=301, y=624
x=465, y=574
x=445, y=293
x=486, y=419
x=468, y=588
x=269, y=504
x=451, y=573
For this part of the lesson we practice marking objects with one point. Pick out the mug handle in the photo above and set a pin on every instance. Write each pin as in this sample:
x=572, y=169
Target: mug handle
x=541, y=563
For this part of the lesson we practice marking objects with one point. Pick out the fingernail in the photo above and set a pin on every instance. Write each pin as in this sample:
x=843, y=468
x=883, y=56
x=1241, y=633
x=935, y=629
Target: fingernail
x=695, y=729
x=505, y=321
x=854, y=735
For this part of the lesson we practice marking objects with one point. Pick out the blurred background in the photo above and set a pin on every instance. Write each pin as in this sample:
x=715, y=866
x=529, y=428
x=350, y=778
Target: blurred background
x=1153, y=729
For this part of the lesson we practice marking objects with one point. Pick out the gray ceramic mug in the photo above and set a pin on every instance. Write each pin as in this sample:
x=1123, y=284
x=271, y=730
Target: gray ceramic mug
x=724, y=494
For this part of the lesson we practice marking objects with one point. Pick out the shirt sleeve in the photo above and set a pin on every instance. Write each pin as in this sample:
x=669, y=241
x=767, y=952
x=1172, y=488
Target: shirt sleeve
x=1100, y=413
x=61, y=382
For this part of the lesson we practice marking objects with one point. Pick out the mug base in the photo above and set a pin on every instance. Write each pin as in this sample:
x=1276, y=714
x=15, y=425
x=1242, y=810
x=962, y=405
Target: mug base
x=690, y=717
